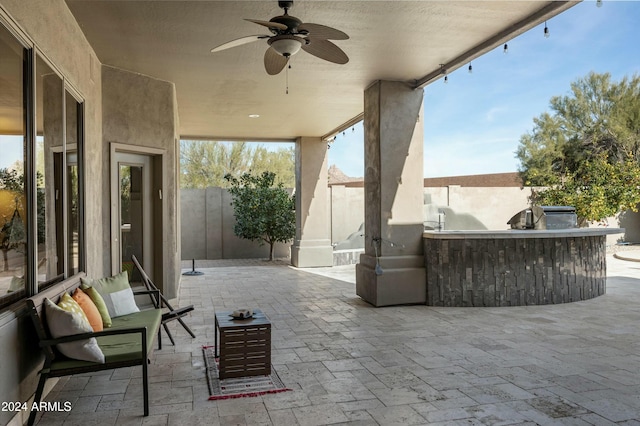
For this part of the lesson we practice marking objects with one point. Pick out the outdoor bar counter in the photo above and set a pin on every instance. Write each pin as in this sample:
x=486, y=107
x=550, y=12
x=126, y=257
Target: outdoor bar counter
x=515, y=267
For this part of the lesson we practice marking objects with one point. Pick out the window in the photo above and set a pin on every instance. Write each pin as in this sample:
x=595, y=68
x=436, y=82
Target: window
x=41, y=200
x=13, y=202
x=49, y=138
x=73, y=203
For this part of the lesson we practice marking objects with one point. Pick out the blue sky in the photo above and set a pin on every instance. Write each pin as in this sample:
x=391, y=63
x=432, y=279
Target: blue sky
x=474, y=122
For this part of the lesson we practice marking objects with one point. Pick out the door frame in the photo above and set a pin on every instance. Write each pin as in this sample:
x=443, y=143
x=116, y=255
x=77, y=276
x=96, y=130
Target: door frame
x=158, y=185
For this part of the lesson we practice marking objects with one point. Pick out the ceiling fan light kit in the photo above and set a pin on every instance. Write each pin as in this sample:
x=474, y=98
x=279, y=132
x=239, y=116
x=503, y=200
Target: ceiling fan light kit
x=286, y=45
x=289, y=36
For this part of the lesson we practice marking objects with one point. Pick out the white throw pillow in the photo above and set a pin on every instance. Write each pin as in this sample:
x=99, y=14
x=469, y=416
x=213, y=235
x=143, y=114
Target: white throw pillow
x=62, y=323
x=121, y=303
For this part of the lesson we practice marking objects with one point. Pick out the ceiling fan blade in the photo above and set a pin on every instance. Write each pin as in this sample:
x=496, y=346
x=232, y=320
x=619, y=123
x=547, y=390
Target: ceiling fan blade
x=268, y=24
x=239, y=42
x=326, y=50
x=274, y=62
x=323, y=32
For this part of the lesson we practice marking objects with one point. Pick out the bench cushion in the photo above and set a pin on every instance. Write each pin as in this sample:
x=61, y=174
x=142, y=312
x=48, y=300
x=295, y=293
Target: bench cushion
x=115, y=346
x=122, y=347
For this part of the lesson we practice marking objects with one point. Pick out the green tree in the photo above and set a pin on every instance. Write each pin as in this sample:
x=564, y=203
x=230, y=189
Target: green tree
x=599, y=189
x=586, y=150
x=263, y=209
x=281, y=162
x=598, y=117
x=205, y=163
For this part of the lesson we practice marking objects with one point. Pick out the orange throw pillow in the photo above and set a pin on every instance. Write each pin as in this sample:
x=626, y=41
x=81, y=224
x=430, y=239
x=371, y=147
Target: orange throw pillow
x=89, y=308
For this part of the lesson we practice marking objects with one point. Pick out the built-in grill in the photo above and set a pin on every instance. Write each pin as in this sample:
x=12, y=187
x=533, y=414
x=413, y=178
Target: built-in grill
x=545, y=217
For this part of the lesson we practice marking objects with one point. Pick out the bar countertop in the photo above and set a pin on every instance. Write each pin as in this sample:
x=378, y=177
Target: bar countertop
x=520, y=233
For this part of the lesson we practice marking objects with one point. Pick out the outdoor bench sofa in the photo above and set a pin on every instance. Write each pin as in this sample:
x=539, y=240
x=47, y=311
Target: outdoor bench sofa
x=128, y=342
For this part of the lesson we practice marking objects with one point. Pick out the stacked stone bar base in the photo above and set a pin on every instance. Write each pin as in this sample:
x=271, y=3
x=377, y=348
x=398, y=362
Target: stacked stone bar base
x=515, y=268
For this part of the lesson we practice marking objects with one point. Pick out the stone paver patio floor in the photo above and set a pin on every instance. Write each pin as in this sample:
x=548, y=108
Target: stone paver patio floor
x=350, y=363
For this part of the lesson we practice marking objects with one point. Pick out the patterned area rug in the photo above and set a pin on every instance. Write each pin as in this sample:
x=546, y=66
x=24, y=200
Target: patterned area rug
x=238, y=387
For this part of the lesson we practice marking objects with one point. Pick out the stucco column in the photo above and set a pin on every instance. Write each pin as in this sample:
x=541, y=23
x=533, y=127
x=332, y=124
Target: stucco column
x=312, y=246
x=391, y=271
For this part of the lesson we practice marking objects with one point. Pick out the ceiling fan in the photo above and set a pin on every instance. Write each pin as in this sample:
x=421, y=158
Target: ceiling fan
x=289, y=35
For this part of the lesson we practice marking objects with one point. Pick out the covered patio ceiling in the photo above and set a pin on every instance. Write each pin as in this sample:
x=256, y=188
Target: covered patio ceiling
x=217, y=92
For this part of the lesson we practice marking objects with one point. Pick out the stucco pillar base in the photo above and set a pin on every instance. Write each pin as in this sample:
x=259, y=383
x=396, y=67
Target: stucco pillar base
x=312, y=254
x=402, y=282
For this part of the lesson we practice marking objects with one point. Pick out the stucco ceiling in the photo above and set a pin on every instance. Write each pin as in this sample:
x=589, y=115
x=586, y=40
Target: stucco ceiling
x=390, y=40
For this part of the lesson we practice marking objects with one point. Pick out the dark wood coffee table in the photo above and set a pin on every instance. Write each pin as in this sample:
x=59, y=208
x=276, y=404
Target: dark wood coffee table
x=245, y=345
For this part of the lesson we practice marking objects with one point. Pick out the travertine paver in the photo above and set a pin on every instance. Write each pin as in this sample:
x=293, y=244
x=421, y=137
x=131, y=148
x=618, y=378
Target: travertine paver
x=350, y=363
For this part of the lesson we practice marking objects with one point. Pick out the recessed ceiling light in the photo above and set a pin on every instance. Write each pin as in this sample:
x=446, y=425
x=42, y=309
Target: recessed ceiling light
x=254, y=115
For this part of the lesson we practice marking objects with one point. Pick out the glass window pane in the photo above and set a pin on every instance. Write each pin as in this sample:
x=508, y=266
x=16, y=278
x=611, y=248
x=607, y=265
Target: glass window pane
x=72, y=184
x=49, y=139
x=131, y=217
x=13, y=229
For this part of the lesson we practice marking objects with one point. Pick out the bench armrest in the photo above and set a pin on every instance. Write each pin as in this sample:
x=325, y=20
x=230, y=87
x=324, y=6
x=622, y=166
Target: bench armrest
x=153, y=294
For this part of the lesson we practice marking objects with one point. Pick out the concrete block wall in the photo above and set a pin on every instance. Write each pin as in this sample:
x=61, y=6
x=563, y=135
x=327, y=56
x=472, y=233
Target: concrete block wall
x=493, y=206
x=207, y=222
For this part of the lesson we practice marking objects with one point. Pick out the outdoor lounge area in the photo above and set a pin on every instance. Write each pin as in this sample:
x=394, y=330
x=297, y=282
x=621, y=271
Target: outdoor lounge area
x=350, y=363
x=95, y=97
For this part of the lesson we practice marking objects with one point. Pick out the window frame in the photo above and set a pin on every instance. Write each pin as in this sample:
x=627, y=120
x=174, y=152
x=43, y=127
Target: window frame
x=31, y=54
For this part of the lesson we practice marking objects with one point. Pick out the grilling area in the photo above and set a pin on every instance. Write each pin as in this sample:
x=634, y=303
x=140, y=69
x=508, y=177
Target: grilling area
x=545, y=258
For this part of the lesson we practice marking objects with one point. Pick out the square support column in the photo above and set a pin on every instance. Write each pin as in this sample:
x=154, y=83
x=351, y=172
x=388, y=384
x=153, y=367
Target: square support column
x=312, y=246
x=391, y=271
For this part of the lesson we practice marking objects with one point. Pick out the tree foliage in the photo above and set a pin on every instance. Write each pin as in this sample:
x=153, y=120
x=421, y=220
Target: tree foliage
x=587, y=148
x=599, y=189
x=12, y=209
x=205, y=163
x=263, y=209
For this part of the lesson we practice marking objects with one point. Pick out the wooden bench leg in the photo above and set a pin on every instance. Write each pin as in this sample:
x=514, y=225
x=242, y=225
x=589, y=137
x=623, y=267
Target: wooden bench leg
x=36, y=399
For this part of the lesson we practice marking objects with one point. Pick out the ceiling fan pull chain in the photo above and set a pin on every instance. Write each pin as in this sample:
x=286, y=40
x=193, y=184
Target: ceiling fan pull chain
x=287, y=76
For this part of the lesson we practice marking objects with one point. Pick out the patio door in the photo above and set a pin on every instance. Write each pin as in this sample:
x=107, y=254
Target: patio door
x=131, y=211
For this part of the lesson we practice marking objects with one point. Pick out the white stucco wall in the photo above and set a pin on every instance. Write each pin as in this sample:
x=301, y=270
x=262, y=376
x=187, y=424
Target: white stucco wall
x=140, y=110
x=347, y=211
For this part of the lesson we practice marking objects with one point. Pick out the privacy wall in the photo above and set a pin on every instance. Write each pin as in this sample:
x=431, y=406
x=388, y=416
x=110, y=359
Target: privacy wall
x=207, y=228
x=492, y=206
x=207, y=217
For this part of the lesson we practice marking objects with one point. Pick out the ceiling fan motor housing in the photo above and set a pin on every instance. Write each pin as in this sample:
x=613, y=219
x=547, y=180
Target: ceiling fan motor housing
x=290, y=21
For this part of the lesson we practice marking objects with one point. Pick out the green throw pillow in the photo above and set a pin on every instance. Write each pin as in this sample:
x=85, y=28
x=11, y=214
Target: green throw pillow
x=99, y=302
x=117, y=294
